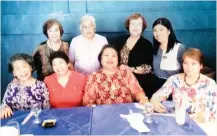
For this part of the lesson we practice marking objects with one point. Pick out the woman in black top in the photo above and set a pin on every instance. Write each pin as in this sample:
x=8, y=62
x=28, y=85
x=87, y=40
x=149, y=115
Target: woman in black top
x=136, y=51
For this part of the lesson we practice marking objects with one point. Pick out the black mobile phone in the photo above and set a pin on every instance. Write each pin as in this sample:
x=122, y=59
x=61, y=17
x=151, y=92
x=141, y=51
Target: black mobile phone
x=49, y=123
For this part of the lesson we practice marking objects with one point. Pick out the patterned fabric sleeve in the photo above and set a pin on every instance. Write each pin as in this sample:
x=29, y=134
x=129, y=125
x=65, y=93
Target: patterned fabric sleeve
x=211, y=101
x=89, y=97
x=65, y=47
x=164, y=92
x=133, y=82
x=8, y=92
x=146, y=68
x=45, y=96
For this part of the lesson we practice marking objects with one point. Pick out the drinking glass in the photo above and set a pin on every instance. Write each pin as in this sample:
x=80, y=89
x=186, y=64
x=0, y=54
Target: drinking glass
x=180, y=113
x=148, y=109
x=180, y=107
x=36, y=109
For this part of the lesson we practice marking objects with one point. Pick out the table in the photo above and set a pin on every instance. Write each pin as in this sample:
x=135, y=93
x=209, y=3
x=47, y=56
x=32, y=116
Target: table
x=106, y=120
x=102, y=120
x=69, y=121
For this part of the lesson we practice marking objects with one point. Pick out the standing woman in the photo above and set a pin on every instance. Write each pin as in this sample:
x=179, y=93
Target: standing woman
x=136, y=51
x=167, y=52
x=85, y=48
x=53, y=30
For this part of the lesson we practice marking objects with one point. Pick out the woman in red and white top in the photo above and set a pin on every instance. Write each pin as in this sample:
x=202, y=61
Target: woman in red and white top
x=112, y=84
x=65, y=86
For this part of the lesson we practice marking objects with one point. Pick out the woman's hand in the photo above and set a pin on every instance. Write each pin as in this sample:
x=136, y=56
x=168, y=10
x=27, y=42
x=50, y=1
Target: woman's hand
x=139, y=70
x=144, y=101
x=141, y=98
x=6, y=112
x=158, y=107
x=198, y=117
x=143, y=69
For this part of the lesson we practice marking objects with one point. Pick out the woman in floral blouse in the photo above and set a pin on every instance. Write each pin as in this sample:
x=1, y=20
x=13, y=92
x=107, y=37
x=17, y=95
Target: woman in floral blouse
x=201, y=91
x=24, y=91
x=112, y=84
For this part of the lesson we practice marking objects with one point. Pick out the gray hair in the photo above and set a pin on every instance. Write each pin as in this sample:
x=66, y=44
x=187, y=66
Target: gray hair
x=88, y=18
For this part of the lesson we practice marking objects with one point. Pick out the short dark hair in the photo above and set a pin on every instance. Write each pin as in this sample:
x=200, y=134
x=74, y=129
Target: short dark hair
x=134, y=17
x=58, y=54
x=20, y=56
x=105, y=47
x=48, y=24
x=171, y=39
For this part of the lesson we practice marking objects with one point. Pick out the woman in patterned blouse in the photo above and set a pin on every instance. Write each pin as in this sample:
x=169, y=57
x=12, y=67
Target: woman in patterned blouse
x=112, y=84
x=24, y=91
x=53, y=30
x=201, y=91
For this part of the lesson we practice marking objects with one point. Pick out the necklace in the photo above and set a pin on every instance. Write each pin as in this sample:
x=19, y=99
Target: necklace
x=193, y=83
x=53, y=47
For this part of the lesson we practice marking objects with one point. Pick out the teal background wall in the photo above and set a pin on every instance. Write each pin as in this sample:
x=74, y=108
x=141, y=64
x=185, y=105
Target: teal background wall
x=21, y=23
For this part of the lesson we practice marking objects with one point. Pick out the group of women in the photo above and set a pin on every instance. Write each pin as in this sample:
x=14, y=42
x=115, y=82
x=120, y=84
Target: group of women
x=92, y=72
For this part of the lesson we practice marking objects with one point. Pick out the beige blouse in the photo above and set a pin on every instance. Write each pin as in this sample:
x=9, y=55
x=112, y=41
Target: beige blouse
x=41, y=57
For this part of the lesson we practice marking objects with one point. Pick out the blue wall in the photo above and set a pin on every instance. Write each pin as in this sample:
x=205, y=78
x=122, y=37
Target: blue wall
x=21, y=27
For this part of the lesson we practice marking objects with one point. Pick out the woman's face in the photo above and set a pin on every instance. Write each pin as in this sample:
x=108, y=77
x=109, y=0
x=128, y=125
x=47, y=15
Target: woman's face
x=22, y=70
x=88, y=30
x=109, y=59
x=54, y=33
x=161, y=33
x=60, y=66
x=191, y=66
x=135, y=27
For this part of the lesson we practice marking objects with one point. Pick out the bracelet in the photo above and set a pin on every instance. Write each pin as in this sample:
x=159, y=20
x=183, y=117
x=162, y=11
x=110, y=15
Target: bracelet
x=146, y=98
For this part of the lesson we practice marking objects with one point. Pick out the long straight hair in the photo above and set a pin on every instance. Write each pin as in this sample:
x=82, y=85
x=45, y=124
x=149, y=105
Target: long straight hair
x=171, y=39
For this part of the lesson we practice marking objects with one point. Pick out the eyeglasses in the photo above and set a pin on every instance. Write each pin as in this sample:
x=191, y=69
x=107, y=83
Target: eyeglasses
x=87, y=27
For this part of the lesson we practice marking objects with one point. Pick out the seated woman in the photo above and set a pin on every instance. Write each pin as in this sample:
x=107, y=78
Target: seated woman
x=53, y=30
x=65, y=86
x=136, y=51
x=112, y=84
x=167, y=52
x=25, y=91
x=201, y=90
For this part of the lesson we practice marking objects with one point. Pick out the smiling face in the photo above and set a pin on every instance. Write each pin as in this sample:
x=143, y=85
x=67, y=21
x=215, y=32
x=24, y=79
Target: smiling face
x=109, y=59
x=88, y=29
x=54, y=33
x=22, y=70
x=161, y=33
x=191, y=66
x=60, y=66
x=135, y=27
